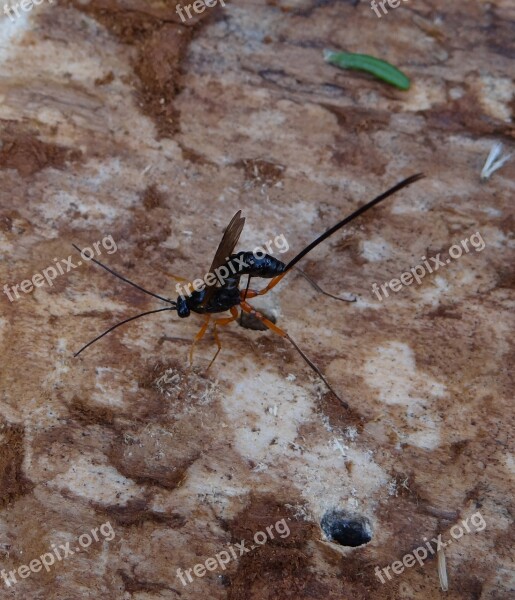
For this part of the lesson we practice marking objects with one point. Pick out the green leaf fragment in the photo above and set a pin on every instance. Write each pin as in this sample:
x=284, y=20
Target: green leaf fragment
x=369, y=64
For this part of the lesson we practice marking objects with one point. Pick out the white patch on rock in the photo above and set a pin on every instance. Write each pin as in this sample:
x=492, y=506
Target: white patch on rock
x=255, y=428
x=111, y=385
x=325, y=482
x=497, y=93
x=392, y=371
x=10, y=30
x=376, y=249
x=100, y=483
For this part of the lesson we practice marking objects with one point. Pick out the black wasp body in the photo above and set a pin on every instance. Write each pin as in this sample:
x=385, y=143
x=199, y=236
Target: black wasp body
x=228, y=294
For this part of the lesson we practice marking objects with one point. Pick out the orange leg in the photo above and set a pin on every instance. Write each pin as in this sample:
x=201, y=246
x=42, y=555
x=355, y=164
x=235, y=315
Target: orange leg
x=272, y=284
x=185, y=288
x=176, y=277
x=199, y=336
x=222, y=322
x=248, y=309
x=253, y=293
x=245, y=307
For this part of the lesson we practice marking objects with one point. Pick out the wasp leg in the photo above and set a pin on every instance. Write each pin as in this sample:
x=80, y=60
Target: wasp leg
x=272, y=284
x=199, y=336
x=176, y=277
x=253, y=293
x=222, y=322
x=247, y=308
x=187, y=288
x=320, y=290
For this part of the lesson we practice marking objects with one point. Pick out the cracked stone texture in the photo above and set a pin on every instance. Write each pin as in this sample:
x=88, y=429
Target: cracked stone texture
x=118, y=120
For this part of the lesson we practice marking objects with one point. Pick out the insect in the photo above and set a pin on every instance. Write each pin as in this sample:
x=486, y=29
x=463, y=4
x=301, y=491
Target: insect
x=369, y=64
x=226, y=295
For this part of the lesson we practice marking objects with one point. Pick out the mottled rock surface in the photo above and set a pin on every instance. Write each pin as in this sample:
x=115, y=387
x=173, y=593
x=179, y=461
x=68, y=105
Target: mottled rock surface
x=119, y=120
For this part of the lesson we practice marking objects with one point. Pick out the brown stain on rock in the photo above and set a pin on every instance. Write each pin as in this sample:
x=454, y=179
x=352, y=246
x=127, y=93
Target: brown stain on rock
x=105, y=80
x=356, y=145
x=23, y=151
x=465, y=116
x=135, y=585
x=136, y=512
x=279, y=568
x=161, y=41
x=13, y=482
x=157, y=66
x=262, y=511
x=275, y=572
x=152, y=197
x=149, y=227
x=261, y=172
x=132, y=462
x=153, y=451
x=89, y=414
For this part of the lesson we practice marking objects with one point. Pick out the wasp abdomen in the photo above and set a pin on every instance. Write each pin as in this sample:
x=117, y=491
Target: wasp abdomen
x=266, y=266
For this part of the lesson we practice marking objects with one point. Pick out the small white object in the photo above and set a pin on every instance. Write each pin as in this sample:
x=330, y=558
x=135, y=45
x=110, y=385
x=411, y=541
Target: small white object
x=442, y=570
x=494, y=161
x=338, y=446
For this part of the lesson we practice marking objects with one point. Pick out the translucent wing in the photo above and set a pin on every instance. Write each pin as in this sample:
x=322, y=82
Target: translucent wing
x=225, y=248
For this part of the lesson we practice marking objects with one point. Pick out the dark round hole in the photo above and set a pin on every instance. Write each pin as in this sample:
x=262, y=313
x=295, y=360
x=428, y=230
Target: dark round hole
x=346, y=529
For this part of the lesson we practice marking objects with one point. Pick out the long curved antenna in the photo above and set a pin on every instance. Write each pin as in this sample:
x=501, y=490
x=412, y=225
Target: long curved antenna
x=319, y=289
x=316, y=369
x=138, y=287
x=351, y=217
x=150, y=312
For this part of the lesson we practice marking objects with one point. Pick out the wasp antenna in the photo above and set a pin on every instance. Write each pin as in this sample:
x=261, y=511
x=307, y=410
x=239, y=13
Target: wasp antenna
x=319, y=289
x=317, y=371
x=150, y=312
x=354, y=215
x=138, y=287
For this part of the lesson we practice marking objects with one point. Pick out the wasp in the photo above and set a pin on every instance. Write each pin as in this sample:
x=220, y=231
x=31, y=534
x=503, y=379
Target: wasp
x=226, y=295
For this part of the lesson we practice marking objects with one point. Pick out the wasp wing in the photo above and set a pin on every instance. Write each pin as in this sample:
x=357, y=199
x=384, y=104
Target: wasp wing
x=225, y=249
